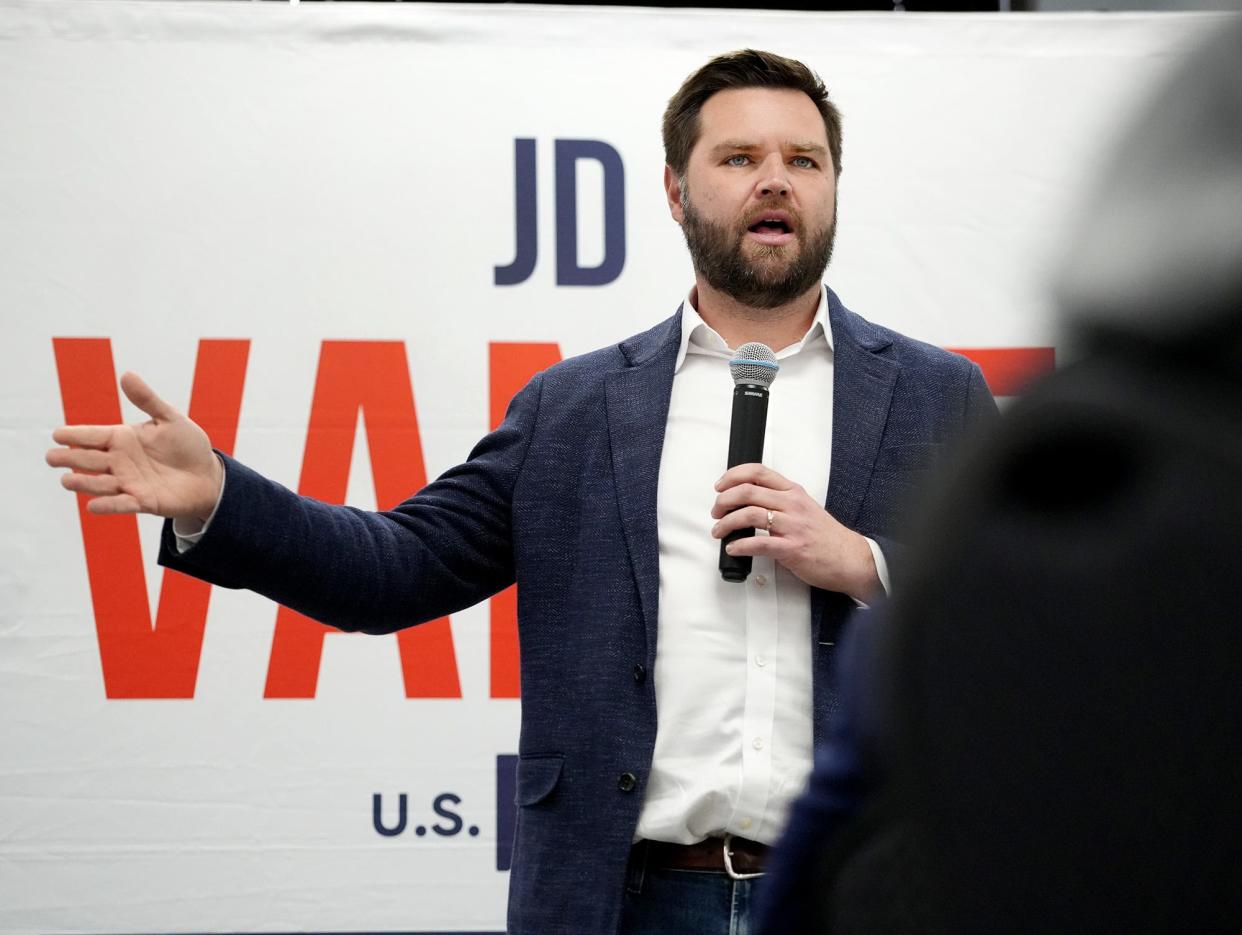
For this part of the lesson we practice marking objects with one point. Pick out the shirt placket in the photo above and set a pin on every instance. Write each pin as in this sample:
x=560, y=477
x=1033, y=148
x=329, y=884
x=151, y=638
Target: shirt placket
x=759, y=710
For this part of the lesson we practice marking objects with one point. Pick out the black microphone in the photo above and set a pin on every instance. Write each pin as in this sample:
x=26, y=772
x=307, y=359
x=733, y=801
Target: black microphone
x=754, y=368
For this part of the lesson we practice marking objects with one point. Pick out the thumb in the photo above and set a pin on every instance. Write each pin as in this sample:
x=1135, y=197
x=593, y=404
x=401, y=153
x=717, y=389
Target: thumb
x=145, y=399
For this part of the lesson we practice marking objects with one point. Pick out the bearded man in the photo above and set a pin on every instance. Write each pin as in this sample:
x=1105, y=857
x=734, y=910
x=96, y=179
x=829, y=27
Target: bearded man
x=668, y=716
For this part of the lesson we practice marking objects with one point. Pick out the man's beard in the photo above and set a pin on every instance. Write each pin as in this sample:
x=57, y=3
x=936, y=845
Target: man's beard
x=766, y=279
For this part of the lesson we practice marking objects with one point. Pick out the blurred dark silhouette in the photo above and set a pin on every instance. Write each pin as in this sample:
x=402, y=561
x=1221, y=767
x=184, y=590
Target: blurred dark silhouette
x=1057, y=745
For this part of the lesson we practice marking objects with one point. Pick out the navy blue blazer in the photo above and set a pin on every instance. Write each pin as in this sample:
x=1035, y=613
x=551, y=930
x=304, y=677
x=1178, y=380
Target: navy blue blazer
x=562, y=499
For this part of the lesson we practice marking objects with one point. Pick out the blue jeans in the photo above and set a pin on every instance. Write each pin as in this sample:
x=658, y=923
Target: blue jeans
x=684, y=902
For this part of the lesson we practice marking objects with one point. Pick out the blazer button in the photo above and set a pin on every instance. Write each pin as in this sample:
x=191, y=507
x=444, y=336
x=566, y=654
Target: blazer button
x=627, y=782
x=640, y=673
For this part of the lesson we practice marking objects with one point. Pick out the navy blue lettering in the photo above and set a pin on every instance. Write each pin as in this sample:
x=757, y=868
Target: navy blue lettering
x=506, y=809
x=377, y=808
x=568, y=272
x=526, y=236
x=438, y=807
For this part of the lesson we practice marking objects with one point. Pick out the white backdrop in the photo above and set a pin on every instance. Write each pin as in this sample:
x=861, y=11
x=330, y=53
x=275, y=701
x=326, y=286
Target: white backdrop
x=289, y=175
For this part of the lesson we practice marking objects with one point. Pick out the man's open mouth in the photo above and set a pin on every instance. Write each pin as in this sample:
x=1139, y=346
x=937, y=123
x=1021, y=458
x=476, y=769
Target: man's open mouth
x=771, y=225
x=773, y=229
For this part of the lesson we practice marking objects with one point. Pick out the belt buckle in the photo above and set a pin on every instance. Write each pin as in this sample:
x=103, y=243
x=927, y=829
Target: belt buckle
x=728, y=862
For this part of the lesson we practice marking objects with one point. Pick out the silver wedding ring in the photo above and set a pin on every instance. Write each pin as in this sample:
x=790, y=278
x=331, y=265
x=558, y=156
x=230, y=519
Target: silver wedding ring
x=771, y=516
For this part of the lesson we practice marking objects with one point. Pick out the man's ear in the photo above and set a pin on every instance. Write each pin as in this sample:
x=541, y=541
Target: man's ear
x=672, y=189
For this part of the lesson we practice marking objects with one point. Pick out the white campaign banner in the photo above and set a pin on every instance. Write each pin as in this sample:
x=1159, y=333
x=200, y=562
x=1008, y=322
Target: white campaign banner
x=342, y=236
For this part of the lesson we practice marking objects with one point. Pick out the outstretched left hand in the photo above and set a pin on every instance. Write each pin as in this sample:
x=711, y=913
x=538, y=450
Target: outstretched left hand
x=802, y=535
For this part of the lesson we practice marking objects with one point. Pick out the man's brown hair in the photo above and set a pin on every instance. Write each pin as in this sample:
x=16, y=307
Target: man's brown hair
x=747, y=68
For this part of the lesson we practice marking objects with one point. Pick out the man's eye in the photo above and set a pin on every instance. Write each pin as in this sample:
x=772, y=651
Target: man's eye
x=740, y=159
x=804, y=162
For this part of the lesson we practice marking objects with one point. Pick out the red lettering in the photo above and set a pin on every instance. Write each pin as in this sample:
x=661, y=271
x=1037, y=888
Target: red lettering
x=1008, y=370
x=510, y=367
x=144, y=660
x=140, y=660
x=374, y=377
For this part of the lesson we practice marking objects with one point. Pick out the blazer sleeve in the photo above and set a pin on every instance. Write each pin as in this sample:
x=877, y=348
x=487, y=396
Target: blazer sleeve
x=979, y=408
x=977, y=412
x=447, y=547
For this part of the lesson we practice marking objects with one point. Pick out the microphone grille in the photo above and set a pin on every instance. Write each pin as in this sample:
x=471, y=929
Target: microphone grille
x=754, y=363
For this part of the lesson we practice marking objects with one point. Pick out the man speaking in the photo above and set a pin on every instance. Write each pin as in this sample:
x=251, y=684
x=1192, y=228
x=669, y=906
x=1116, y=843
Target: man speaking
x=668, y=714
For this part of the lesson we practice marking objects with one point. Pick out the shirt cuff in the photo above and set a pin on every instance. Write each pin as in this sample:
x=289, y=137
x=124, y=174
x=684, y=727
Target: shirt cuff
x=188, y=531
x=881, y=570
x=881, y=566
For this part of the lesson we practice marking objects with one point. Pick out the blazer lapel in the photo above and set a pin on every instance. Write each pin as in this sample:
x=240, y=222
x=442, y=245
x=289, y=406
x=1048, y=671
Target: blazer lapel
x=638, y=399
x=862, y=390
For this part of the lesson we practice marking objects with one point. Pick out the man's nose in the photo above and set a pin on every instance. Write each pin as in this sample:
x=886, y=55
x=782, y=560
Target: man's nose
x=774, y=179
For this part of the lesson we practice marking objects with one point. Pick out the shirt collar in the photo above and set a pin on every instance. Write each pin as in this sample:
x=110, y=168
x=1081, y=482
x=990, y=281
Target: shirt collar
x=697, y=337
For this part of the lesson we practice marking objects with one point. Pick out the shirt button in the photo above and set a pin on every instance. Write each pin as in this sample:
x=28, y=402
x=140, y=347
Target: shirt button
x=640, y=673
x=761, y=580
x=627, y=782
x=761, y=660
x=745, y=824
x=757, y=743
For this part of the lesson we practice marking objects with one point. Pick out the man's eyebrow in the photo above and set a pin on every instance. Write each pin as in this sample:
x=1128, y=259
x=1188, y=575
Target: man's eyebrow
x=746, y=146
x=734, y=146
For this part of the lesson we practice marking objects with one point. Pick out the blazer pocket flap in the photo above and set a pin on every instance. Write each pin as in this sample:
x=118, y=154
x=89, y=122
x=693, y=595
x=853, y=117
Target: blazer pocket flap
x=537, y=776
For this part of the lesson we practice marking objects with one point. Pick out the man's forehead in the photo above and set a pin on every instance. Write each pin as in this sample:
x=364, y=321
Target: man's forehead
x=751, y=116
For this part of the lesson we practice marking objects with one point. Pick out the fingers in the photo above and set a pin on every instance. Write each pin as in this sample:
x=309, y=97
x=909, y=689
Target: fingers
x=145, y=399
x=749, y=495
x=750, y=517
x=755, y=474
x=84, y=436
x=79, y=459
x=769, y=546
x=103, y=436
x=96, y=485
x=105, y=491
x=122, y=503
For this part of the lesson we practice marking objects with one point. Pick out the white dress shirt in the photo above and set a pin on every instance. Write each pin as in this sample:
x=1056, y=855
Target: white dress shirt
x=733, y=660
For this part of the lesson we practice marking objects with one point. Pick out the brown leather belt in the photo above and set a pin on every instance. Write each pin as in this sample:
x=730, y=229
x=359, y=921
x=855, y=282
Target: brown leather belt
x=745, y=858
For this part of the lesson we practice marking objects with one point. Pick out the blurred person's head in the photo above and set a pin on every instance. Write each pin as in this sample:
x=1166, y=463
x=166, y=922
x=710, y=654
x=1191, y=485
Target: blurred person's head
x=1156, y=256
